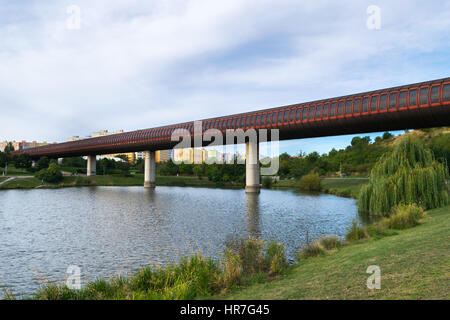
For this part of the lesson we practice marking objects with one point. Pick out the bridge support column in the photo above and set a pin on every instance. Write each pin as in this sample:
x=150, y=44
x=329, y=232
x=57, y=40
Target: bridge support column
x=60, y=161
x=91, y=165
x=252, y=184
x=150, y=169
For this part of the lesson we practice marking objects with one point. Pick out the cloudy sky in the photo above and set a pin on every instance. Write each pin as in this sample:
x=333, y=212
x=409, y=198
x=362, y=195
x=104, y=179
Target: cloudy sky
x=138, y=64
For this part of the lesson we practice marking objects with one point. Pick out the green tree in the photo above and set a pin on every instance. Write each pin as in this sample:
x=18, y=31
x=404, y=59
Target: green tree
x=440, y=145
x=198, y=171
x=408, y=174
x=167, y=168
x=9, y=148
x=43, y=163
x=310, y=182
x=387, y=135
x=22, y=161
x=185, y=169
x=3, y=159
x=139, y=166
x=74, y=162
x=52, y=174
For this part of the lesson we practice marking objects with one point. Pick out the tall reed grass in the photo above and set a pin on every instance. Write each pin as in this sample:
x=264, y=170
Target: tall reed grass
x=192, y=277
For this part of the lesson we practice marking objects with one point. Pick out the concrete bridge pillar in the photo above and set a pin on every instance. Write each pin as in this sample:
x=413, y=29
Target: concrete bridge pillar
x=150, y=169
x=252, y=184
x=91, y=165
x=60, y=161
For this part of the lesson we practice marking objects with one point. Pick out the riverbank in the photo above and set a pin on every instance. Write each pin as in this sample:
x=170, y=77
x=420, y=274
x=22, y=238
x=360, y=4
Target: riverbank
x=414, y=265
x=345, y=187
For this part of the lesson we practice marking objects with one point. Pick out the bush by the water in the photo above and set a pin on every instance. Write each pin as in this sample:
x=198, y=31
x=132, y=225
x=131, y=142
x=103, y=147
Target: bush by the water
x=310, y=182
x=254, y=256
x=409, y=174
x=192, y=277
x=318, y=247
x=52, y=174
x=405, y=216
x=311, y=250
x=331, y=242
x=356, y=232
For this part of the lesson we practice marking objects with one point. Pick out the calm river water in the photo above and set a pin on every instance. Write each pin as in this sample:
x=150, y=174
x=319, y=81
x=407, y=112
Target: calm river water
x=111, y=230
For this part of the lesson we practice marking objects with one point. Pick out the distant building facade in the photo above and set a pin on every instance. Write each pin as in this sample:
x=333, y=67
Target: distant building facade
x=163, y=155
x=21, y=145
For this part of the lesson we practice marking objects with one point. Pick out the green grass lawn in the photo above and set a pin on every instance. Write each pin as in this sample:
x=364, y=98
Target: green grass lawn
x=291, y=183
x=99, y=180
x=347, y=187
x=25, y=183
x=415, y=264
x=12, y=171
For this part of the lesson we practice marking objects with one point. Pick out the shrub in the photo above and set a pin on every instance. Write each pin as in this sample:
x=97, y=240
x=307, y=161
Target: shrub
x=250, y=252
x=51, y=175
x=356, y=232
x=192, y=277
x=275, y=257
x=245, y=261
x=330, y=242
x=232, y=269
x=310, y=182
x=43, y=163
x=405, y=216
x=311, y=250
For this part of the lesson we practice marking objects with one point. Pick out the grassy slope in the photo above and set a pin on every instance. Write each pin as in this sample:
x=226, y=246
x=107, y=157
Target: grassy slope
x=415, y=264
x=26, y=183
x=12, y=171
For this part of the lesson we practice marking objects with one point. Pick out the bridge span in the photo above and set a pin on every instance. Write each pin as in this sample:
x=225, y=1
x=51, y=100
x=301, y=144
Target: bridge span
x=413, y=106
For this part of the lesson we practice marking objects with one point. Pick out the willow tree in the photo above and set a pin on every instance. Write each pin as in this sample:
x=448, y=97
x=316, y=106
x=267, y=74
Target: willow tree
x=406, y=175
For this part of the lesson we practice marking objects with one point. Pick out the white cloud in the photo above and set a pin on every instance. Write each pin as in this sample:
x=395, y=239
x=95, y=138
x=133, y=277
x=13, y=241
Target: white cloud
x=137, y=64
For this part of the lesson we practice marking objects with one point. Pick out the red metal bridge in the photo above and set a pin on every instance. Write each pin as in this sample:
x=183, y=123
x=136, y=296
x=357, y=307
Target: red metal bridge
x=419, y=105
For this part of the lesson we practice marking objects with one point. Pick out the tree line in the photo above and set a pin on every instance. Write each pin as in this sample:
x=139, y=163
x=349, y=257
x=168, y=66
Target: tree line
x=357, y=159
